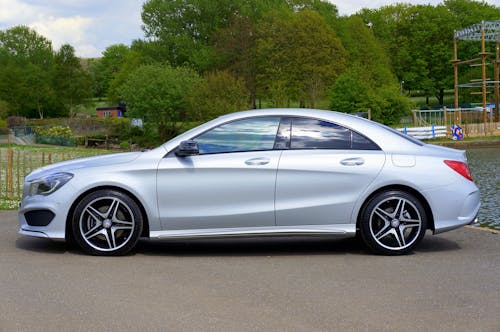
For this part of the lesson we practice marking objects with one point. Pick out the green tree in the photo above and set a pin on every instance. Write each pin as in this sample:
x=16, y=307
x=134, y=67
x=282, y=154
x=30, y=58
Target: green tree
x=419, y=39
x=299, y=55
x=71, y=81
x=185, y=28
x=26, y=60
x=352, y=93
x=235, y=47
x=157, y=93
x=216, y=94
x=105, y=69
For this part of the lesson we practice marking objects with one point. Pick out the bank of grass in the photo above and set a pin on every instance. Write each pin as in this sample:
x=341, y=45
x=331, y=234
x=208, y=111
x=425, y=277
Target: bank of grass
x=468, y=142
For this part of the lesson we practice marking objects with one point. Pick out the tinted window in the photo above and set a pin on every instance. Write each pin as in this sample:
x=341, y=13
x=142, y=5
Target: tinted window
x=254, y=134
x=317, y=134
x=359, y=142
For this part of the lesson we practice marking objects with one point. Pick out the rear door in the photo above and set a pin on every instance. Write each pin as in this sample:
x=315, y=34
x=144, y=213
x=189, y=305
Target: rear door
x=324, y=171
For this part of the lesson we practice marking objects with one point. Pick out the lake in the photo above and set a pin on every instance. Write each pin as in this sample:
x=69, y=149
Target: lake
x=485, y=168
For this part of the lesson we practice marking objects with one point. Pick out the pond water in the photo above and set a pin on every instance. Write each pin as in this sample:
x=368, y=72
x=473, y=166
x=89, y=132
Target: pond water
x=485, y=168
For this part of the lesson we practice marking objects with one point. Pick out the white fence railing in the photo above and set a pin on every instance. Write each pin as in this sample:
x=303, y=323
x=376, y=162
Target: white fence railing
x=424, y=132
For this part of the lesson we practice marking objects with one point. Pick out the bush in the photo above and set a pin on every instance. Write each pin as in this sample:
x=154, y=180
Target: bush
x=55, y=131
x=16, y=121
x=216, y=94
x=125, y=145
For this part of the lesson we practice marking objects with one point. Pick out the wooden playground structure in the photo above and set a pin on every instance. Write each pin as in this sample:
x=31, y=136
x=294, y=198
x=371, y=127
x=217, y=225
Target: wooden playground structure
x=486, y=31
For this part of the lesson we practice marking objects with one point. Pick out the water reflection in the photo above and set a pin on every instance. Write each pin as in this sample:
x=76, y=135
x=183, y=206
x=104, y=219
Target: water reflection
x=485, y=168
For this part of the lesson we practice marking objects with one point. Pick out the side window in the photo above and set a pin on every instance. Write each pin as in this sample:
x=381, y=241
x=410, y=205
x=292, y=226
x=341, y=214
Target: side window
x=360, y=142
x=318, y=134
x=253, y=134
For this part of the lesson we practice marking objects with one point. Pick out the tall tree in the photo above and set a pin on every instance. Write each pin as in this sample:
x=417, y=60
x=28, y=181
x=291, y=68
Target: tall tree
x=235, y=46
x=216, y=94
x=299, y=56
x=156, y=93
x=185, y=28
x=72, y=82
x=420, y=39
x=26, y=60
x=106, y=68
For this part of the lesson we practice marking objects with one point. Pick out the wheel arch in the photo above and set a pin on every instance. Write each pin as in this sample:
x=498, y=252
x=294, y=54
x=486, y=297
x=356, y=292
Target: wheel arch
x=69, y=230
x=410, y=190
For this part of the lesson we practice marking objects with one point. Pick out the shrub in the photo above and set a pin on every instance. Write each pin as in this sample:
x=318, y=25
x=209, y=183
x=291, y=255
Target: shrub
x=125, y=145
x=61, y=131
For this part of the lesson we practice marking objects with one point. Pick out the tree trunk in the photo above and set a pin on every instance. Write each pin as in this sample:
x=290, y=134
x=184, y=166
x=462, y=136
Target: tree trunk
x=440, y=97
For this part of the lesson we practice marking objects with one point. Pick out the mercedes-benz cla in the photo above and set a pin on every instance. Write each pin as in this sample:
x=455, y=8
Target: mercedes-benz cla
x=276, y=172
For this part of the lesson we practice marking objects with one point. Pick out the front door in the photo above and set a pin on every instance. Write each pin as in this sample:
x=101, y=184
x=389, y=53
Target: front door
x=231, y=183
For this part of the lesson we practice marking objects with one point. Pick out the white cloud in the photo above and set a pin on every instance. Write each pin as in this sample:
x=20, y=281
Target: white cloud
x=353, y=6
x=86, y=51
x=71, y=30
x=16, y=12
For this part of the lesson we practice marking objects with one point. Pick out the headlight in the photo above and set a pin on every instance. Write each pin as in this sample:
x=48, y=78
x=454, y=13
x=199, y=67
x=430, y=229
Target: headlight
x=48, y=184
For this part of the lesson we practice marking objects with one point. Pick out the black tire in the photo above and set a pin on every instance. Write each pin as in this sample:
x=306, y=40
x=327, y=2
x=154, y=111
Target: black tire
x=107, y=223
x=392, y=222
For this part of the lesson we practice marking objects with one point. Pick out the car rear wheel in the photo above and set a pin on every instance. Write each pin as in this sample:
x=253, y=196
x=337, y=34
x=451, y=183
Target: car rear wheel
x=393, y=222
x=107, y=222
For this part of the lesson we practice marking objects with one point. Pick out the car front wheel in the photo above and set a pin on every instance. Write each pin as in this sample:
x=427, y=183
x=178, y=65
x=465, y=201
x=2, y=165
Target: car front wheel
x=393, y=222
x=107, y=222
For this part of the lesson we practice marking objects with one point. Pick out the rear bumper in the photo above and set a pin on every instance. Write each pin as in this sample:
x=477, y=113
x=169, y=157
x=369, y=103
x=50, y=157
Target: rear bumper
x=458, y=208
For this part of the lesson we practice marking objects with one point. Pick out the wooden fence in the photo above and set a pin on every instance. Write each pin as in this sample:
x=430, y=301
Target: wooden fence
x=471, y=120
x=16, y=163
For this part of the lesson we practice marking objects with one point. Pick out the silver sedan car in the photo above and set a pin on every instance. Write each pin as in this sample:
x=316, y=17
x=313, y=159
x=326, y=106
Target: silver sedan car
x=276, y=172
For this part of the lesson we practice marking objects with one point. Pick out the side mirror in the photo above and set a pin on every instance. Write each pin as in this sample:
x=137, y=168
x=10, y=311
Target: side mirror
x=187, y=148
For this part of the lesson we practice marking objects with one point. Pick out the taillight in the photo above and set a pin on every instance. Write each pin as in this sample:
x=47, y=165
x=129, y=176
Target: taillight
x=460, y=167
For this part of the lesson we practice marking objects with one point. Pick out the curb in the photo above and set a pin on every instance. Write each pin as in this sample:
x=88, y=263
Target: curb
x=484, y=229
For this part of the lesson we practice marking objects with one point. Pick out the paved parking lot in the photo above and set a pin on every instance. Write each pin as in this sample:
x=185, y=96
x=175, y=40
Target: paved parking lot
x=451, y=283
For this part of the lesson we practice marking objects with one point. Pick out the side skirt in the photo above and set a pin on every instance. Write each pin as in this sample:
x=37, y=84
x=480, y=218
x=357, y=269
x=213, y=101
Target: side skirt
x=338, y=230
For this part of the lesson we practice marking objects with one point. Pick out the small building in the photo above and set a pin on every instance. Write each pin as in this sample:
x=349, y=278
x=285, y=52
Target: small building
x=109, y=112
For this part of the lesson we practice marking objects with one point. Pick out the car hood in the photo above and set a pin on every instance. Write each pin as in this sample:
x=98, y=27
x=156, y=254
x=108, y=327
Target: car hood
x=68, y=166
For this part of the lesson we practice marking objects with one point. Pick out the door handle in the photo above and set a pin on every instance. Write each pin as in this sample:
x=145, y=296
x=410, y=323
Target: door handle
x=352, y=161
x=257, y=161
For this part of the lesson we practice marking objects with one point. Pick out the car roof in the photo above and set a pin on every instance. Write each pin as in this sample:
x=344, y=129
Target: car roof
x=386, y=139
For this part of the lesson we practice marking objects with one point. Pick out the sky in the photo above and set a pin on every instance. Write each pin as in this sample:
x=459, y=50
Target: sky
x=92, y=25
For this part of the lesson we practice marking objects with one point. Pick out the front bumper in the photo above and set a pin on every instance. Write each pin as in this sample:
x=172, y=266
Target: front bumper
x=57, y=203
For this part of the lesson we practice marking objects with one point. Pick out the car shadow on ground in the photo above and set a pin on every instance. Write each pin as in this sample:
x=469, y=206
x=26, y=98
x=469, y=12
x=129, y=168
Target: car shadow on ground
x=252, y=247
x=240, y=246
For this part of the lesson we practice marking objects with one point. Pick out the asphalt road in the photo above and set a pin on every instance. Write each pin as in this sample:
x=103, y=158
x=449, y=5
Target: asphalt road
x=451, y=283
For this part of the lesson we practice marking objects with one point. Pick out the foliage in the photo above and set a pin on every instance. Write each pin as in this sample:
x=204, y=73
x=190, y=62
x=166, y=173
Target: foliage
x=26, y=60
x=185, y=28
x=62, y=131
x=299, y=56
x=156, y=93
x=124, y=145
x=105, y=69
x=36, y=82
x=352, y=93
x=216, y=94
x=70, y=80
x=420, y=39
x=235, y=46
